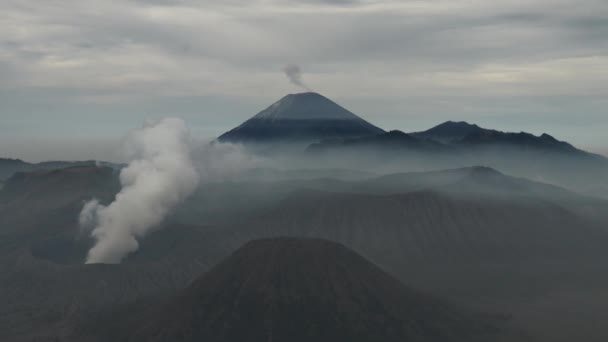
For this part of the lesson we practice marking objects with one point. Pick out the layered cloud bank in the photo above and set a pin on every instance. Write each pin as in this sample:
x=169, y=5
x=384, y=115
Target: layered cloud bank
x=160, y=175
x=411, y=64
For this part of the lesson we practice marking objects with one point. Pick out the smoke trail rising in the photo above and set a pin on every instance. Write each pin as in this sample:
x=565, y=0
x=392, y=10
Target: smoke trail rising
x=294, y=74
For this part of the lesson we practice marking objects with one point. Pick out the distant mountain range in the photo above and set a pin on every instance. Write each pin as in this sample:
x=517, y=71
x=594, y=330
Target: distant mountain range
x=465, y=134
x=337, y=138
x=455, y=144
x=312, y=117
x=457, y=137
x=340, y=139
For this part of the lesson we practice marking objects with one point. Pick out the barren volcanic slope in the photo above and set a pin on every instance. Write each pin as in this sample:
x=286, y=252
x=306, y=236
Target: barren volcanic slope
x=301, y=117
x=301, y=290
x=44, y=204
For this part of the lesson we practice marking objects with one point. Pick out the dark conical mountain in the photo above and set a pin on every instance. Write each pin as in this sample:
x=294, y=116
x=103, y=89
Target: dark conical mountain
x=303, y=290
x=301, y=117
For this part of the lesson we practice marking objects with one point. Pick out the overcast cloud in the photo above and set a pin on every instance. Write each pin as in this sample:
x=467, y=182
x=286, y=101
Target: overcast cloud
x=94, y=69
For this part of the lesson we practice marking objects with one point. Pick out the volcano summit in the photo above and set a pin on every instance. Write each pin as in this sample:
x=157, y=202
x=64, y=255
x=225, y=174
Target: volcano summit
x=305, y=117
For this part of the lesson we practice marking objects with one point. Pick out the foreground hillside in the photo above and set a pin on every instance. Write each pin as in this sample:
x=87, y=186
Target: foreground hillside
x=478, y=237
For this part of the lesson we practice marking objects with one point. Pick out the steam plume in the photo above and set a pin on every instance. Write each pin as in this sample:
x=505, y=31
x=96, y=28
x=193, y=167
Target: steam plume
x=160, y=175
x=294, y=74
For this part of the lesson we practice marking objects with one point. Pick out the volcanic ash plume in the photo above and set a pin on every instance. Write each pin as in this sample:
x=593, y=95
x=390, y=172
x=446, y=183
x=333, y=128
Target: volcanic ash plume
x=294, y=74
x=160, y=175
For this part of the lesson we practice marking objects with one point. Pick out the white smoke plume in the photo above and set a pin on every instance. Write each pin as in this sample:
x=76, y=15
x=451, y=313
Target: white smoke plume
x=160, y=174
x=294, y=74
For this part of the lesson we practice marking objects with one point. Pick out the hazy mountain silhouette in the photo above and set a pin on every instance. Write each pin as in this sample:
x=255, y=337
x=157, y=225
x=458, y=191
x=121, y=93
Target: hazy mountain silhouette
x=389, y=142
x=460, y=136
x=465, y=135
x=449, y=131
x=457, y=144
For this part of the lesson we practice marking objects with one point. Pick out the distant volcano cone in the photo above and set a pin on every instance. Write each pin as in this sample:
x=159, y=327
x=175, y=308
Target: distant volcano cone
x=298, y=290
x=301, y=117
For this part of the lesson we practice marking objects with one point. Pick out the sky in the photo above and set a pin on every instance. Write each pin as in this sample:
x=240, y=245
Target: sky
x=77, y=75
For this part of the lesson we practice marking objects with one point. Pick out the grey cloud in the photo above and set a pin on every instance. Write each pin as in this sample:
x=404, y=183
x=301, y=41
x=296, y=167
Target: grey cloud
x=459, y=38
x=134, y=49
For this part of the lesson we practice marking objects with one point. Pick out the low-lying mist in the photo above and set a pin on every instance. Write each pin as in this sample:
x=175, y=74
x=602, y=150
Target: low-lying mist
x=172, y=176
